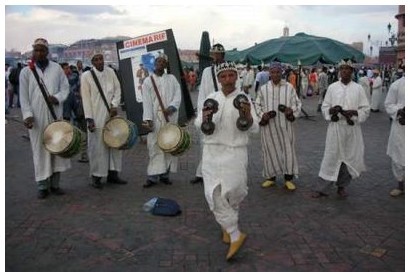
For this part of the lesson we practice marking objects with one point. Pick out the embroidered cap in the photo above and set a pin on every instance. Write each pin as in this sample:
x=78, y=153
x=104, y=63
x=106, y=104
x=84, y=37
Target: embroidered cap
x=41, y=41
x=162, y=55
x=225, y=66
x=217, y=48
x=346, y=63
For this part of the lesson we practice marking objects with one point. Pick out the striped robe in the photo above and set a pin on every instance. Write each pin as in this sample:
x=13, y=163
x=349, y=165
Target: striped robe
x=277, y=137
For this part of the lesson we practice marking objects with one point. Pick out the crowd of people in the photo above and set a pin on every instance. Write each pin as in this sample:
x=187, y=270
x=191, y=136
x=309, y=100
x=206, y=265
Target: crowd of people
x=232, y=103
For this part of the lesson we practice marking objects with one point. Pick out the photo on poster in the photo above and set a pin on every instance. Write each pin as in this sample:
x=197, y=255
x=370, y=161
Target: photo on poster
x=143, y=64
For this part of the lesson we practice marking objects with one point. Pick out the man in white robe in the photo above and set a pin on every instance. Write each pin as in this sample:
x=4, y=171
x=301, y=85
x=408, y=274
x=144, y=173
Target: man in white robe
x=394, y=103
x=104, y=161
x=248, y=80
x=376, y=91
x=277, y=133
x=209, y=83
x=225, y=156
x=160, y=163
x=365, y=83
x=37, y=116
x=344, y=151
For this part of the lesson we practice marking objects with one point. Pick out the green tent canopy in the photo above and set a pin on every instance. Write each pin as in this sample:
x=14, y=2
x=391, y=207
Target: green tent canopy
x=307, y=49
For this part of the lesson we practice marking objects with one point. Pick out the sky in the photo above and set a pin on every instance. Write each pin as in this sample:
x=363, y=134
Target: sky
x=234, y=24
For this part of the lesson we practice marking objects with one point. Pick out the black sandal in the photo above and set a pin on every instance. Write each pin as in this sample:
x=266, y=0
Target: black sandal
x=318, y=194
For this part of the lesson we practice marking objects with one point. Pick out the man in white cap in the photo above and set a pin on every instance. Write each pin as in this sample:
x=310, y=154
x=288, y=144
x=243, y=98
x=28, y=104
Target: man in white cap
x=277, y=128
x=169, y=90
x=376, y=91
x=104, y=161
x=345, y=107
x=394, y=103
x=225, y=155
x=37, y=115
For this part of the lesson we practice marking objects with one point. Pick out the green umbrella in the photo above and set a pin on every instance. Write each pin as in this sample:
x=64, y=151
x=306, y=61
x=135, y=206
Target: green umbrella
x=204, y=59
x=306, y=49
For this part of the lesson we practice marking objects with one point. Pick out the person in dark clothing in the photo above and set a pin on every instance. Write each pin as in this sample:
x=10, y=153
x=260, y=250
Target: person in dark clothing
x=14, y=81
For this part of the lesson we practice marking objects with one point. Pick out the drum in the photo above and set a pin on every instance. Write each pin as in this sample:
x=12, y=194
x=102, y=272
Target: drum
x=120, y=133
x=173, y=139
x=62, y=138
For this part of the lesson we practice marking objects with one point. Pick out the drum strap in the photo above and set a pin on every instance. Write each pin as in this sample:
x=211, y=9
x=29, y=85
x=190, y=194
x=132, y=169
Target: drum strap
x=100, y=90
x=43, y=89
x=159, y=99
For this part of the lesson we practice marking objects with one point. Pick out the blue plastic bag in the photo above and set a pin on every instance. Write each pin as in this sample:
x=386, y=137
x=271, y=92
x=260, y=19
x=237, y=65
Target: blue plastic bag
x=166, y=207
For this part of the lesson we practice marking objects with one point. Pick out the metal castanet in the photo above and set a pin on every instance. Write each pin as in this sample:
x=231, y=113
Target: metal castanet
x=208, y=127
x=271, y=114
x=242, y=123
x=282, y=108
x=335, y=118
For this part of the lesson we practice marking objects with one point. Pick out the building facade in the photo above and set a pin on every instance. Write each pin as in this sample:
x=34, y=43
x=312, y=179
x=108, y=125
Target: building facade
x=401, y=36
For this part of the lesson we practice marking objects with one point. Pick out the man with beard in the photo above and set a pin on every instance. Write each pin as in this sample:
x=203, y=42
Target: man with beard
x=104, y=161
x=277, y=106
x=345, y=107
x=37, y=115
x=169, y=90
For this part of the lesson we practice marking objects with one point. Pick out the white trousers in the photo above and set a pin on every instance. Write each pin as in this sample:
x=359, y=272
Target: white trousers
x=225, y=214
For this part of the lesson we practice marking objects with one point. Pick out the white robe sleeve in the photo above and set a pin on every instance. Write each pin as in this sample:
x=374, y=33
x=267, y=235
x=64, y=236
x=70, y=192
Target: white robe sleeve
x=86, y=95
x=176, y=88
x=363, y=109
x=63, y=87
x=391, y=103
x=24, y=93
x=147, y=103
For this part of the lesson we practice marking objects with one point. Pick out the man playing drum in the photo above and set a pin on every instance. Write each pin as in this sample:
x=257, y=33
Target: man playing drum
x=169, y=93
x=103, y=160
x=36, y=115
x=225, y=155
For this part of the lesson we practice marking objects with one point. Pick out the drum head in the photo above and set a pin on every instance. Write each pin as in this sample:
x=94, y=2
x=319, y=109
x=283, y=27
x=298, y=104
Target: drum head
x=169, y=136
x=116, y=132
x=58, y=136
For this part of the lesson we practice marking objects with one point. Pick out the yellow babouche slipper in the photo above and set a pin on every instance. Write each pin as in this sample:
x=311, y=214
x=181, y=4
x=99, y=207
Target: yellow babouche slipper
x=396, y=192
x=289, y=185
x=234, y=247
x=268, y=183
x=225, y=237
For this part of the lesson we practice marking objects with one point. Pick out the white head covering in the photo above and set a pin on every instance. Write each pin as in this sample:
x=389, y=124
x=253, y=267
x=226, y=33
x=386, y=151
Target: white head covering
x=225, y=66
x=162, y=55
x=41, y=41
x=217, y=48
x=96, y=52
x=345, y=62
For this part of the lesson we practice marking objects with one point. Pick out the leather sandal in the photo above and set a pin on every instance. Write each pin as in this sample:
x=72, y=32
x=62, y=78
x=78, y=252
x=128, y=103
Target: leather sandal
x=318, y=194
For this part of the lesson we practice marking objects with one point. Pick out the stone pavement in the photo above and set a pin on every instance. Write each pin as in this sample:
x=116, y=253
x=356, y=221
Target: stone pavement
x=92, y=230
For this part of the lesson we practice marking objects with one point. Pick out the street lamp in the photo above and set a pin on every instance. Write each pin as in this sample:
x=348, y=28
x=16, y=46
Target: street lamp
x=373, y=43
x=392, y=35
